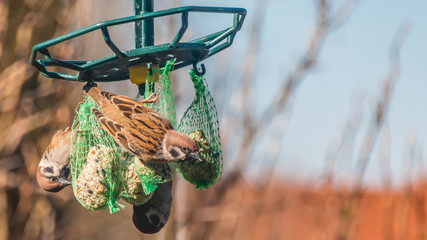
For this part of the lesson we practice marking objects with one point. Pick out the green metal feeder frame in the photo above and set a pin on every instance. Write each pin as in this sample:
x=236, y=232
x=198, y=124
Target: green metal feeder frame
x=115, y=67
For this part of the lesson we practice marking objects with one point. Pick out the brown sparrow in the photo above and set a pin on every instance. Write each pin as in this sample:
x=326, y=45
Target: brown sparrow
x=152, y=216
x=140, y=130
x=54, y=169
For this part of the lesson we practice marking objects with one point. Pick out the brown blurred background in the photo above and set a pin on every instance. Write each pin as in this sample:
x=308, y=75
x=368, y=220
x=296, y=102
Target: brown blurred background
x=33, y=107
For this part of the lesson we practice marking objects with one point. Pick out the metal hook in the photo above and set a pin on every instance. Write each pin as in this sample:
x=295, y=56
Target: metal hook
x=196, y=70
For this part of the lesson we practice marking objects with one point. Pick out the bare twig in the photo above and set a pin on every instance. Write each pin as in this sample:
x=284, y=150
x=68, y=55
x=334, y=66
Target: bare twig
x=278, y=113
x=350, y=203
x=342, y=148
x=381, y=106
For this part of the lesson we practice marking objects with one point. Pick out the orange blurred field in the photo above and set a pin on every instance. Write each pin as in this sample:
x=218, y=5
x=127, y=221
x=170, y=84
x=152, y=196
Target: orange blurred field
x=295, y=212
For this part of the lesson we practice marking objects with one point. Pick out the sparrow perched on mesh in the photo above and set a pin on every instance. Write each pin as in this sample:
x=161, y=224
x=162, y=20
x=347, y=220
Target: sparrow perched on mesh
x=152, y=216
x=54, y=169
x=140, y=130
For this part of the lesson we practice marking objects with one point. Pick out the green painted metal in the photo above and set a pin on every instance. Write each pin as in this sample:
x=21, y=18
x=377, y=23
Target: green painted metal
x=144, y=30
x=147, y=25
x=137, y=10
x=115, y=67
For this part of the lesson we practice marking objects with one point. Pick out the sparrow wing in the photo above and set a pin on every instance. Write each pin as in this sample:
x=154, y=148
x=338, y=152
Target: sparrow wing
x=116, y=130
x=148, y=144
x=135, y=127
x=135, y=111
x=134, y=140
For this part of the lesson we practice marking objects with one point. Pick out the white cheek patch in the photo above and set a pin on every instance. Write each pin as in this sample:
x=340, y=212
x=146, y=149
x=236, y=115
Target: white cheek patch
x=47, y=173
x=47, y=167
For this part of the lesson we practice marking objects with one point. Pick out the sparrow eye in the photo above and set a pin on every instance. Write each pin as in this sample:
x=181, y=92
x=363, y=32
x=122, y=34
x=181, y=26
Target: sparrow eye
x=184, y=149
x=53, y=179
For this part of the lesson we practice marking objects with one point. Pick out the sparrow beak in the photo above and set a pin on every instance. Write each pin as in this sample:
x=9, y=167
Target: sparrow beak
x=64, y=182
x=196, y=156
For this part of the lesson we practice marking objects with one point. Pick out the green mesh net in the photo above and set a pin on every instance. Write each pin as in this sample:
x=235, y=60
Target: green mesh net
x=94, y=161
x=200, y=122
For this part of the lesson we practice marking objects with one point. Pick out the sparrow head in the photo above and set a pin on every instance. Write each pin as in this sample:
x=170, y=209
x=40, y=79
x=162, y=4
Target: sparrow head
x=50, y=182
x=153, y=215
x=53, y=171
x=90, y=84
x=179, y=147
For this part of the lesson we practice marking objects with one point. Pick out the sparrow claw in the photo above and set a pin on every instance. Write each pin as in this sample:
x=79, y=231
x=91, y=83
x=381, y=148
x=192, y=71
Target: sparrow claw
x=150, y=99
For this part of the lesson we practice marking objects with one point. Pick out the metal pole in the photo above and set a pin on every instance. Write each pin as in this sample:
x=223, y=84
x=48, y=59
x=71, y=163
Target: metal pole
x=144, y=30
x=148, y=25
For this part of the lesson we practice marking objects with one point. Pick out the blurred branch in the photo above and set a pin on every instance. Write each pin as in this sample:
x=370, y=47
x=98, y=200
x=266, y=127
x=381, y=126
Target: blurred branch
x=343, y=146
x=325, y=24
x=243, y=96
x=381, y=106
x=30, y=109
x=4, y=226
x=384, y=166
x=350, y=203
x=408, y=191
x=277, y=114
x=343, y=13
x=384, y=158
x=12, y=137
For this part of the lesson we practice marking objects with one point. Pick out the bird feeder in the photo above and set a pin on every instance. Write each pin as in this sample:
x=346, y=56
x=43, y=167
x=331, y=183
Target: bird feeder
x=141, y=66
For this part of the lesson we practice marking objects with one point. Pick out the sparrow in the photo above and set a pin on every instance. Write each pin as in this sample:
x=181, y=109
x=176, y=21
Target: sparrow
x=54, y=169
x=152, y=216
x=140, y=130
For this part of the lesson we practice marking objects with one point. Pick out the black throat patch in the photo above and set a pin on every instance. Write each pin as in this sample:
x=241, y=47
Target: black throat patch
x=65, y=171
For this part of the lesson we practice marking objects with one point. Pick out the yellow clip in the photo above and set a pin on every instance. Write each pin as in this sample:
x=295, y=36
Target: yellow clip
x=139, y=73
